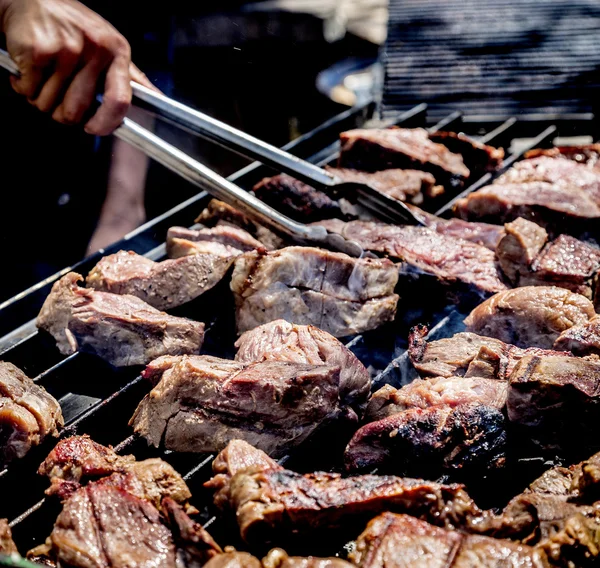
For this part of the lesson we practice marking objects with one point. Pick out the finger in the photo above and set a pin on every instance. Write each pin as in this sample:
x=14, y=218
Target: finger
x=55, y=87
x=115, y=99
x=140, y=77
x=35, y=65
x=29, y=82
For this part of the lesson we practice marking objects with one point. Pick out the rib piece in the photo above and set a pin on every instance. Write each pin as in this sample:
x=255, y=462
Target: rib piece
x=582, y=339
x=400, y=541
x=463, y=438
x=531, y=316
x=201, y=403
x=123, y=330
x=283, y=341
x=7, y=544
x=381, y=149
x=477, y=156
x=163, y=285
x=310, y=286
x=439, y=391
x=450, y=260
x=519, y=247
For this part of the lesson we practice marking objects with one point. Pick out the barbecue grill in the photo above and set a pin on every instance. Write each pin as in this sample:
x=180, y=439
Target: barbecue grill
x=98, y=399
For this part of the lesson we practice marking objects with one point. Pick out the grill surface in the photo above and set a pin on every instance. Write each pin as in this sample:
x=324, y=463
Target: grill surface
x=98, y=399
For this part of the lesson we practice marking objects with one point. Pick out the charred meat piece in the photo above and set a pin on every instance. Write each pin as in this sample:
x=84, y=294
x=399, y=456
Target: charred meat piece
x=284, y=341
x=531, y=316
x=201, y=403
x=310, y=286
x=123, y=330
x=278, y=558
x=519, y=247
x=588, y=154
x=412, y=186
x=233, y=559
x=439, y=391
x=451, y=260
x=76, y=460
x=382, y=149
x=463, y=439
x=163, y=285
x=477, y=156
x=28, y=413
x=400, y=541
x=7, y=545
x=556, y=398
x=582, y=339
x=543, y=203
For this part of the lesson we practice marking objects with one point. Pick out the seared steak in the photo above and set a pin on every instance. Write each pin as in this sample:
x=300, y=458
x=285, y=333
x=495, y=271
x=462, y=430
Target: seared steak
x=381, y=149
x=531, y=316
x=588, y=154
x=201, y=403
x=464, y=438
x=477, y=156
x=123, y=330
x=28, y=413
x=311, y=286
x=400, y=541
x=440, y=391
x=222, y=240
x=76, y=460
x=582, y=339
x=163, y=285
x=7, y=545
x=283, y=341
x=422, y=250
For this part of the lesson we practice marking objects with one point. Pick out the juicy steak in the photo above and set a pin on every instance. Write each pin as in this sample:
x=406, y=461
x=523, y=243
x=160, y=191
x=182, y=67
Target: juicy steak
x=163, y=285
x=582, y=339
x=123, y=330
x=451, y=260
x=283, y=341
x=310, y=286
x=381, y=149
x=201, y=403
x=400, y=541
x=463, y=438
x=28, y=413
x=531, y=316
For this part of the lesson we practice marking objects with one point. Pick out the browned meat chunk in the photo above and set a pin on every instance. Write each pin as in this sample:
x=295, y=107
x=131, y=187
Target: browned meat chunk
x=588, y=154
x=450, y=260
x=400, y=541
x=28, y=413
x=519, y=247
x=163, y=285
x=283, y=341
x=75, y=461
x=582, y=339
x=310, y=286
x=123, y=330
x=556, y=398
x=543, y=203
x=463, y=439
x=531, y=316
x=404, y=185
x=233, y=560
x=201, y=403
x=222, y=240
x=7, y=545
x=440, y=391
x=277, y=558
x=381, y=149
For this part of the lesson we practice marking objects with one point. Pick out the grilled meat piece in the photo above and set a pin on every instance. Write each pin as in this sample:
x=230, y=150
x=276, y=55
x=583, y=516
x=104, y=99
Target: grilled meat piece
x=163, y=285
x=451, y=260
x=381, y=149
x=28, y=413
x=556, y=398
x=404, y=185
x=400, y=541
x=439, y=391
x=530, y=316
x=7, y=544
x=278, y=558
x=76, y=460
x=543, y=203
x=283, y=341
x=463, y=438
x=201, y=403
x=233, y=560
x=477, y=156
x=310, y=286
x=519, y=247
x=123, y=330
x=588, y=154
x=582, y=339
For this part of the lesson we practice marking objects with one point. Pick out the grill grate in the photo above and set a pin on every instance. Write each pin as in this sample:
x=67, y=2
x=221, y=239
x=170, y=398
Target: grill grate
x=99, y=400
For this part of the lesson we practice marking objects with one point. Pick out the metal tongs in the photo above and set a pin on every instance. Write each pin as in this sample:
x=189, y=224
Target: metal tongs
x=219, y=187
